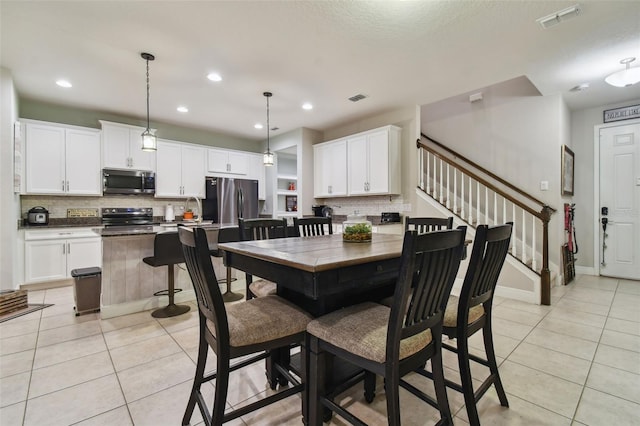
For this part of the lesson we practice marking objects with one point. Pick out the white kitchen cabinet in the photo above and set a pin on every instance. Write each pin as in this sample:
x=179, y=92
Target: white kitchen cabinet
x=62, y=160
x=227, y=162
x=373, y=160
x=180, y=170
x=122, y=147
x=256, y=171
x=330, y=169
x=53, y=254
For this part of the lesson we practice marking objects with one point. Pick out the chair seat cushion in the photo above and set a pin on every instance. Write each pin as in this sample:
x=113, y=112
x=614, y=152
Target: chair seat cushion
x=262, y=320
x=362, y=330
x=451, y=314
x=262, y=288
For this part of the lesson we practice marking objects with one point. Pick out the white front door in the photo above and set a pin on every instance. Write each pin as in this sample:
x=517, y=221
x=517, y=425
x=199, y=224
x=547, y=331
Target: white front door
x=620, y=201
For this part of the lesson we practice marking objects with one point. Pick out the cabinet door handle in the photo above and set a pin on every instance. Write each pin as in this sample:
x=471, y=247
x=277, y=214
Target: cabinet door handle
x=62, y=186
x=330, y=189
x=228, y=167
x=68, y=248
x=64, y=248
x=67, y=186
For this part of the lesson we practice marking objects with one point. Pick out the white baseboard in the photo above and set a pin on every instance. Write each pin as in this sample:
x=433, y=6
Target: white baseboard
x=145, y=304
x=517, y=294
x=585, y=270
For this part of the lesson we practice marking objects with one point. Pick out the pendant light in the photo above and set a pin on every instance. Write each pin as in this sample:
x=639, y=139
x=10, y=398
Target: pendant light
x=148, y=138
x=626, y=77
x=267, y=157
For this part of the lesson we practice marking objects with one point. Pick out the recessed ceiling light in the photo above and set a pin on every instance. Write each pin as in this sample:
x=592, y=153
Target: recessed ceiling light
x=258, y=126
x=182, y=108
x=214, y=76
x=307, y=106
x=64, y=83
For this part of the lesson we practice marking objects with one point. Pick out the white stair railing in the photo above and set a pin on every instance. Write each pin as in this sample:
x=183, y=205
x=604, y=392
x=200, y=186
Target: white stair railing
x=439, y=174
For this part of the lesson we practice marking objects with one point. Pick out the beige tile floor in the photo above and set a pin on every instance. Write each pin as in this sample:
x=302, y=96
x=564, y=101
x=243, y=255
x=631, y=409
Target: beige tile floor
x=576, y=362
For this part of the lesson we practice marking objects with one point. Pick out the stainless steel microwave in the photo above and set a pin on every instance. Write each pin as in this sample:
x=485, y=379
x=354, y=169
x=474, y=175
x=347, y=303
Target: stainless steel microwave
x=128, y=182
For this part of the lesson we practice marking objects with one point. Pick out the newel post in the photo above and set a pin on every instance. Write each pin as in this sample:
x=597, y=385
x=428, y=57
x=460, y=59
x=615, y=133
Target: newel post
x=545, y=274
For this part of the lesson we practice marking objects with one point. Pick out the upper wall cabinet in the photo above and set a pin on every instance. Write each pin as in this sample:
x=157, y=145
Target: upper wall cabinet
x=373, y=160
x=180, y=170
x=367, y=163
x=62, y=160
x=122, y=145
x=227, y=162
x=330, y=169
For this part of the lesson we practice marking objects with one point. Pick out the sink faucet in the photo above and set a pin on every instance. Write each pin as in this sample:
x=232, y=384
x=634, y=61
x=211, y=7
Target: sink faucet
x=199, y=203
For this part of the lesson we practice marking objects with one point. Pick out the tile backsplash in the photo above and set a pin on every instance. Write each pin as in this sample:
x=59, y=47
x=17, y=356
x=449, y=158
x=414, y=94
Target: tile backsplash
x=58, y=205
x=368, y=206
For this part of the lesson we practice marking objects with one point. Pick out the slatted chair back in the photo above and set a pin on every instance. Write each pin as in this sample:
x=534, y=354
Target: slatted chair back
x=429, y=265
x=262, y=229
x=312, y=226
x=428, y=224
x=210, y=303
x=490, y=248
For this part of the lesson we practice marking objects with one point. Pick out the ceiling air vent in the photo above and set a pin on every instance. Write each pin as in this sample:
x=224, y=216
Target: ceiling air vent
x=358, y=97
x=273, y=129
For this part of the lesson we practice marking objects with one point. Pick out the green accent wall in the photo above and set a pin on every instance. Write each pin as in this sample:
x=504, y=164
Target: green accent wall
x=37, y=110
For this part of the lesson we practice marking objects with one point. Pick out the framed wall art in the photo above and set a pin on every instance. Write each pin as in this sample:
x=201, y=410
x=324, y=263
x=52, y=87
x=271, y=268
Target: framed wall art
x=568, y=159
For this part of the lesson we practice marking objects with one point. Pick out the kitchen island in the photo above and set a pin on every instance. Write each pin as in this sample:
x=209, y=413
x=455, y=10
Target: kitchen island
x=129, y=284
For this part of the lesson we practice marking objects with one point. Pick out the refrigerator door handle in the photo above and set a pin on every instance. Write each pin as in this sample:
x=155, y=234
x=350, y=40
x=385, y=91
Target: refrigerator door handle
x=240, y=204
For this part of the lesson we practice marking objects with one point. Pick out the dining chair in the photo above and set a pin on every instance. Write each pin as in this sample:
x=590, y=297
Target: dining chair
x=312, y=226
x=471, y=312
x=390, y=341
x=260, y=327
x=428, y=224
x=261, y=229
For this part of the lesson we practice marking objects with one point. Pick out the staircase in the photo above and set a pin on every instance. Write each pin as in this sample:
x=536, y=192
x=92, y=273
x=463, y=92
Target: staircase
x=474, y=196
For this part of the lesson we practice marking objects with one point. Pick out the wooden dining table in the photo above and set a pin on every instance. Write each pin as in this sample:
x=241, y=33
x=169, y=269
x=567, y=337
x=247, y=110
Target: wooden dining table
x=321, y=273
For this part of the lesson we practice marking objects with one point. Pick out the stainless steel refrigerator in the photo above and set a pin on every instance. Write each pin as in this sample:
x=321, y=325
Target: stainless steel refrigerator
x=228, y=199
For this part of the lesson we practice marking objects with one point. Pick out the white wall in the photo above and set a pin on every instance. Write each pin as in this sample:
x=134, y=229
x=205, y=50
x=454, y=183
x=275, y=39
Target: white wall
x=587, y=209
x=10, y=258
x=519, y=138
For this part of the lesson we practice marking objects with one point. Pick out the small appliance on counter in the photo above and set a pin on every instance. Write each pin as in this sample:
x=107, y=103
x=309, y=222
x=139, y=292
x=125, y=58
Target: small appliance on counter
x=38, y=216
x=390, y=218
x=169, y=215
x=317, y=210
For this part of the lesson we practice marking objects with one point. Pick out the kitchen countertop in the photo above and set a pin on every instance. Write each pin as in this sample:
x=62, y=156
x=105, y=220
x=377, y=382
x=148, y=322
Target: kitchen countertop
x=119, y=231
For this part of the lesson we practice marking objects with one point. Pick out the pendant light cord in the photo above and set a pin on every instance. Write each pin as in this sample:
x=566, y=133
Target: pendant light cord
x=147, y=94
x=268, y=146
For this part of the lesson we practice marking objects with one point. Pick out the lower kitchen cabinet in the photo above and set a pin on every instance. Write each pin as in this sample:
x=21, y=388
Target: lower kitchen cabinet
x=53, y=254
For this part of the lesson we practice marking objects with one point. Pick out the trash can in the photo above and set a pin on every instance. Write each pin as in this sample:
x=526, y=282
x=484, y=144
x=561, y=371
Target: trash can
x=87, y=288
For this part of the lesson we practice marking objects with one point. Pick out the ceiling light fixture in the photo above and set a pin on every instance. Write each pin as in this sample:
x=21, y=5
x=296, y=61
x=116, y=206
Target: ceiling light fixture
x=559, y=16
x=626, y=77
x=182, y=108
x=148, y=138
x=307, y=106
x=64, y=83
x=258, y=126
x=214, y=76
x=267, y=157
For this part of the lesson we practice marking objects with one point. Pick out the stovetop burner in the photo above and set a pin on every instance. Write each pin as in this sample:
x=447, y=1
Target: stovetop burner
x=127, y=216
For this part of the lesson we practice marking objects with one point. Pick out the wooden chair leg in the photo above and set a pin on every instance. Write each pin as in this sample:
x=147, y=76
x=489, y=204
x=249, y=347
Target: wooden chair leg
x=440, y=387
x=493, y=364
x=203, y=348
x=222, y=387
x=369, y=386
x=466, y=381
x=392, y=391
x=316, y=381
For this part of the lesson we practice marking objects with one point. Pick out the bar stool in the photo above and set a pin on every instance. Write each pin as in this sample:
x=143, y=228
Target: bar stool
x=167, y=251
x=227, y=235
